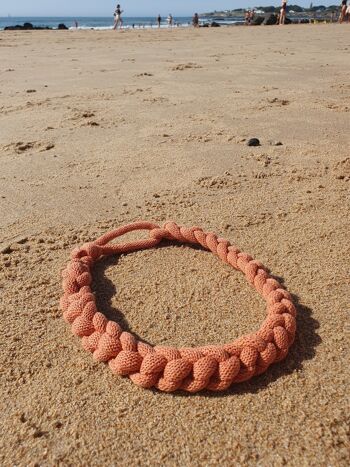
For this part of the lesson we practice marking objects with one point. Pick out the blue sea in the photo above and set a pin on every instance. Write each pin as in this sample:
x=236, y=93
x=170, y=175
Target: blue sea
x=105, y=23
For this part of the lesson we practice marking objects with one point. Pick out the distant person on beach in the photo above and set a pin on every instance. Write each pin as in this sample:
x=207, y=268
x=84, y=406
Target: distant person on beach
x=118, y=17
x=170, y=20
x=247, y=17
x=283, y=12
x=195, y=20
x=343, y=11
x=76, y=24
x=159, y=20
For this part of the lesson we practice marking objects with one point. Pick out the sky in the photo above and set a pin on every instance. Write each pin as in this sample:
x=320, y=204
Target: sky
x=131, y=7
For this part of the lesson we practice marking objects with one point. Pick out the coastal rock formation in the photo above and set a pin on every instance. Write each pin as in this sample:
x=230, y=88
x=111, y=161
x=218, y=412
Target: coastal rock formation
x=25, y=27
x=270, y=19
x=30, y=27
x=258, y=21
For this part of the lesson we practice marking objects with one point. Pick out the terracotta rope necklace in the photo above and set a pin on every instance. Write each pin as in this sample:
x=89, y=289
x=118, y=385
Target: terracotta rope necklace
x=213, y=367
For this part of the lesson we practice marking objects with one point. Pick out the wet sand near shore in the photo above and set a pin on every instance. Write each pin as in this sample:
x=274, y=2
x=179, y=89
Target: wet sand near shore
x=101, y=128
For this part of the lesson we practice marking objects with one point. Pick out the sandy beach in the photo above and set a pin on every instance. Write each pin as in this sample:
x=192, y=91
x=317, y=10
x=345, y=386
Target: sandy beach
x=99, y=129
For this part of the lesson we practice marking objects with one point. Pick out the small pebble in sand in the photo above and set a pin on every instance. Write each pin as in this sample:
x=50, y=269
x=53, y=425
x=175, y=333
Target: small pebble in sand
x=253, y=142
x=31, y=90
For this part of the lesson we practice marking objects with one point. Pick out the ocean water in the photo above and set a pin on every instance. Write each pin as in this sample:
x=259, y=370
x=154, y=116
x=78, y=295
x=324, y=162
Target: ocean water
x=105, y=22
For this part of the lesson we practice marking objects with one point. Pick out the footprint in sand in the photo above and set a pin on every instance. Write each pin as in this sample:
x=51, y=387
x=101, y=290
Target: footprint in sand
x=154, y=100
x=21, y=147
x=278, y=102
x=131, y=92
x=219, y=182
x=338, y=108
x=88, y=114
x=341, y=169
x=274, y=102
x=79, y=115
x=185, y=66
x=143, y=74
x=92, y=123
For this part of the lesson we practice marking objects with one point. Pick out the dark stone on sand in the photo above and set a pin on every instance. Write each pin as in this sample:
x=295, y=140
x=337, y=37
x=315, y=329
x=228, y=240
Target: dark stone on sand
x=253, y=142
x=258, y=20
x=62, y=26
x=214, y=24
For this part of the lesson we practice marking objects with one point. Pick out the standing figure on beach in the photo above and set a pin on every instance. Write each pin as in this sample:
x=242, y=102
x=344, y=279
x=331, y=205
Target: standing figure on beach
x=283, y=12
x=118, y=17
x=170, y=20
x=195, y=20
x=343, y=11
x=159, y=20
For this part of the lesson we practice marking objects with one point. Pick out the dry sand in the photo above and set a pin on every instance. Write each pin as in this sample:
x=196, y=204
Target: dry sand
x=153, y=125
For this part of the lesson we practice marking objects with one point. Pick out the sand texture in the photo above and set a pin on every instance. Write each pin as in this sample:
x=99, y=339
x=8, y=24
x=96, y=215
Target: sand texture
x=98, y=129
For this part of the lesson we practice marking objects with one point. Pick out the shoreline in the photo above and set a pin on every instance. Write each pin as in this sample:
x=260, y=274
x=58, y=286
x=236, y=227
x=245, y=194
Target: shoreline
x=165, y=28
x=150, y=23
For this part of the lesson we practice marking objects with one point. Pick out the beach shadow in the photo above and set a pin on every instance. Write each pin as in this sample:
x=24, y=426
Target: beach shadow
x=303, y=348
x=106, y=289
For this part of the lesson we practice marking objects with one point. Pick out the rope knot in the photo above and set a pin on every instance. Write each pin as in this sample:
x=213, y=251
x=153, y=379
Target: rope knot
x=88, y=249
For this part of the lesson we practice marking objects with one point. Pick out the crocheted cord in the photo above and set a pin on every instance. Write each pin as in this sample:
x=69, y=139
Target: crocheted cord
x=213, y=367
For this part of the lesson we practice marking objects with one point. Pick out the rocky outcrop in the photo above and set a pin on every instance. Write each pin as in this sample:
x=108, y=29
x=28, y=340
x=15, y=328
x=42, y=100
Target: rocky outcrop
x=25, y=27
x=270, y=19
x=30, y=27
x=257, y=21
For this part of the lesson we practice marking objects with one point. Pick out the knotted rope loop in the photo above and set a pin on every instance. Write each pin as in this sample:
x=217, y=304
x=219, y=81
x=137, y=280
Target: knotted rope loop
x=213, y=367
x=101, y=246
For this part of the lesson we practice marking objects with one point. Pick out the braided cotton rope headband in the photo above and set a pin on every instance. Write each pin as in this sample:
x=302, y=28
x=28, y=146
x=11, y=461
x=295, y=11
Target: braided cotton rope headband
x=213, y=367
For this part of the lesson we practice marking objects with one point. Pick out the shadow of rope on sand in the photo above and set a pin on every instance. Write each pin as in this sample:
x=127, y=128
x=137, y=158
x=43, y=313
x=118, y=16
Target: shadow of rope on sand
x=303, y=348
